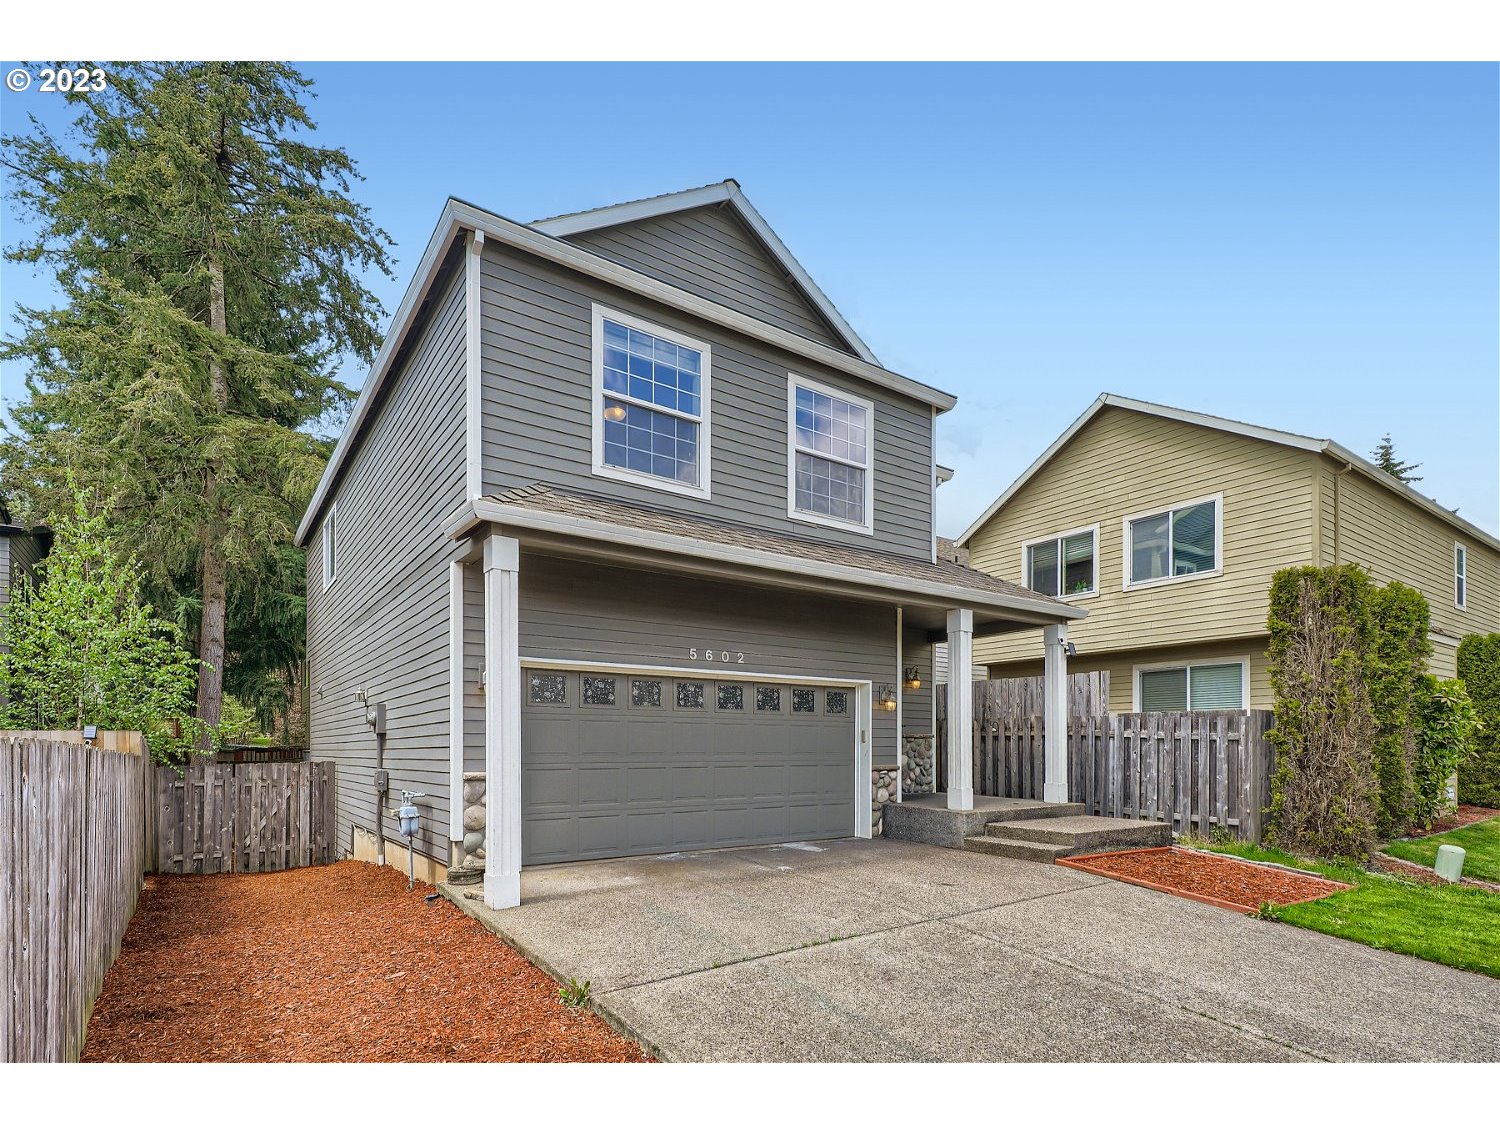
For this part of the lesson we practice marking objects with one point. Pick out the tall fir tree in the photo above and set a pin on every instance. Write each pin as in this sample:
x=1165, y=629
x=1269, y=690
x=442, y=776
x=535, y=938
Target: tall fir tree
x=210, y=257
x=1384, y=456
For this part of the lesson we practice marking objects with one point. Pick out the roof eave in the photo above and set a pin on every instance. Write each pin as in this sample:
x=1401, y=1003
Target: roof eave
x=483, y=510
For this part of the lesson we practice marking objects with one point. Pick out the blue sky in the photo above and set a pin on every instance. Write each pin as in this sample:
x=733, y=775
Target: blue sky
x=1310, y=247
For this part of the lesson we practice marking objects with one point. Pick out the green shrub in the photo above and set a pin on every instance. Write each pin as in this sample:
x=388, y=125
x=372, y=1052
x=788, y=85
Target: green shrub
x=1447, y=724
x=1395, y=665
x=1479, y=669
x=1323, y=791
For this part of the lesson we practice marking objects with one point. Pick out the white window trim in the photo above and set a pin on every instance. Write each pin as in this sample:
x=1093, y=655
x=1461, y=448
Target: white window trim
x=1460, y=552
x=330, y=521
x=1125, y=562
x=1027, y=544
x=867, y=526
x=704, y=488
x=1167, y=665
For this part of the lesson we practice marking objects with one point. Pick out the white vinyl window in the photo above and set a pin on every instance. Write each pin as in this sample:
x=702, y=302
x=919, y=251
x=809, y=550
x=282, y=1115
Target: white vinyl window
x=1172, y=544
x=651, y=404
x=1460, y=576
x=1062, y=566
x=830, y=438
x=1191, y=687
x=330, y=547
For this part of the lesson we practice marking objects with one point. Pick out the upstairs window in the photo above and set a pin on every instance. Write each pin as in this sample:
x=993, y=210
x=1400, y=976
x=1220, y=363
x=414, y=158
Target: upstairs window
x=1460, y=576
x=1182, y=542
x=651, y=405
x=829, y=444
x=1063, y=566
x=330, y=547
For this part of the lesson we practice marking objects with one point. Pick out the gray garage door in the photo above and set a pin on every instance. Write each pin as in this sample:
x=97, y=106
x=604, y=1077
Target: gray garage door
x=633, y=764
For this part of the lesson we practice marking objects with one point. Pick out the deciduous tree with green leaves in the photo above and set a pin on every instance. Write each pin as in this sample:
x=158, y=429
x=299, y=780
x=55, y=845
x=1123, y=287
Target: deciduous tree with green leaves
x=210, y=257
x=82, y=647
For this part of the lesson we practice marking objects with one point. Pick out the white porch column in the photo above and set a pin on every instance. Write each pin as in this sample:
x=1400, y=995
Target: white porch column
x=1055, y=713
x=456, y=710
x=502, y=722
x=960, y=738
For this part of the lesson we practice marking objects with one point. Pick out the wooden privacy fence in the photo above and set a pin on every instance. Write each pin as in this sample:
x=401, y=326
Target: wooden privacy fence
x=1194, y=769
x=243, y=816
x=1018, y=698
x=72, y=856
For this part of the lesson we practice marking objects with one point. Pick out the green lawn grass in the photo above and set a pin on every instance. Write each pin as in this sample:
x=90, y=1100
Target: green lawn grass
x=1480, y=840
x=1453, y=925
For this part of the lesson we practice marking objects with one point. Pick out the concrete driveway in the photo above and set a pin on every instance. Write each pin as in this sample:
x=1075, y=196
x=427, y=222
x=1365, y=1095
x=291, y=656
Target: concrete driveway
x=879, y=950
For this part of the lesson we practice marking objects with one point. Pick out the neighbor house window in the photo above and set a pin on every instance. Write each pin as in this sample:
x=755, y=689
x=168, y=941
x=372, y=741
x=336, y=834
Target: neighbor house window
x=1460, y=576
x=1173, y=543
x=330, y=546
x=829, y=447
x=1194, y=687
x=651, y=404
x=1063, y=566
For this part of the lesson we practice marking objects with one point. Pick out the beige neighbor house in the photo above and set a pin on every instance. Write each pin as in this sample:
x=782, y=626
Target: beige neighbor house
x=1167, y=526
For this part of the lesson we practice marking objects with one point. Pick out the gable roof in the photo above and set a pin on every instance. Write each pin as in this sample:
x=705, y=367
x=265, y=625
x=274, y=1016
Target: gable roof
x=1243, y=429
x=726, y=192
x=459, y=216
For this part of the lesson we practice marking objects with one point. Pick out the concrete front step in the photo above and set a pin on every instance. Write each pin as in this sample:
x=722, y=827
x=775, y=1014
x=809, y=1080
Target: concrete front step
x=1017, y=849
x=1085, y=833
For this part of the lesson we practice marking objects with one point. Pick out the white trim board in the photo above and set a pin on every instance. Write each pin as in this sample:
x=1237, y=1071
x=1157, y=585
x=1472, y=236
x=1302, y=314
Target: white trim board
x=728, y=191
x=864, y=725
x=703, y=490
x=1244, y=429
x=459, y=216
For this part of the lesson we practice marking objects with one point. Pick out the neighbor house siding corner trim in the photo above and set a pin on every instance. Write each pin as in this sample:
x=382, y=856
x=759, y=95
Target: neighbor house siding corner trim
x=473, y=359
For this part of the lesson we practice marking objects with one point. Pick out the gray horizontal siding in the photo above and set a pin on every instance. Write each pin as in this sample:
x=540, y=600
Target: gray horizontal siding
x=579, y=611
x=383, y=625
x=537, y=368
x=711, y=252
x=916, y=706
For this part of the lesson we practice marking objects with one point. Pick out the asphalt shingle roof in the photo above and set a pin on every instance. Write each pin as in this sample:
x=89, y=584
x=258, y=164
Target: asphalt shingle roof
x=546, y=498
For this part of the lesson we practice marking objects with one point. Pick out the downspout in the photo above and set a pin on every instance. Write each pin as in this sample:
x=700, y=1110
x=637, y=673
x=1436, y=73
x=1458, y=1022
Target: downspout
x=1337, y=492
x=900, y=703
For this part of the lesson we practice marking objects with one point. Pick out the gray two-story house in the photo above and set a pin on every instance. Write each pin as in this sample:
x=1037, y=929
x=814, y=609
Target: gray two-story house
x=629, y=523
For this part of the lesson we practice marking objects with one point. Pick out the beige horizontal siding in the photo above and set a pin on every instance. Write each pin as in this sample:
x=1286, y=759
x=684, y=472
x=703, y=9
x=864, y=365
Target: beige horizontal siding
x=1395, y=540
x=1121, y=667
x=1124, y=463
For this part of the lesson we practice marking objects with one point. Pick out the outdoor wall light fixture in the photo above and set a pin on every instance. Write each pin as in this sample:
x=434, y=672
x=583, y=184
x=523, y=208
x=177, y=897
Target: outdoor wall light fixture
x=1070, y=648
x=614, y=412
x=887, y=698
x=913, y=679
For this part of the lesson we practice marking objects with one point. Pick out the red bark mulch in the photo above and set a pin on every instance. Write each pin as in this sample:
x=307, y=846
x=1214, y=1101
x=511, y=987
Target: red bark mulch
x=1215, y=879
x=1465, y=816
x=328, y=964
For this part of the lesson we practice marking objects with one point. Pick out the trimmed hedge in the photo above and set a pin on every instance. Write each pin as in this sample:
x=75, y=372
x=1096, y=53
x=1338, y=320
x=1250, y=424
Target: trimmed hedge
x=1479, y=669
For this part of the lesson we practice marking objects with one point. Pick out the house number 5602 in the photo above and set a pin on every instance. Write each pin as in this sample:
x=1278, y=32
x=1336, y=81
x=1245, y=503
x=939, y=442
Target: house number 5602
x=722, y=655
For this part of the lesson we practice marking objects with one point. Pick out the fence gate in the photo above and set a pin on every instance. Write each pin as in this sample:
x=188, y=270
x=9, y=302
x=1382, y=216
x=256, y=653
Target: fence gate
x=244, y=816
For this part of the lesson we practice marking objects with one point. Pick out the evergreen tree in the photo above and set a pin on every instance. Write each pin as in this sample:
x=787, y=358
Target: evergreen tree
x=210, y=260
x=1384, y=456
x=80, y=647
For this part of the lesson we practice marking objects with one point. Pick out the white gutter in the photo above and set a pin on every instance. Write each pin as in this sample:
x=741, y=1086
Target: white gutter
x=485, y=510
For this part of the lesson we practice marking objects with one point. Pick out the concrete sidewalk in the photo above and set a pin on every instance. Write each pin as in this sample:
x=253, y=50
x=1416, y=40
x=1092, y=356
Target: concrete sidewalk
x=879, y=950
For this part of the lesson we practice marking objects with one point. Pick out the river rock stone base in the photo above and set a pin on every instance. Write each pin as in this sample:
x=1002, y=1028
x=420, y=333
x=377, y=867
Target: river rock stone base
x=918, y=765
x=474, y=817
x=882, y=792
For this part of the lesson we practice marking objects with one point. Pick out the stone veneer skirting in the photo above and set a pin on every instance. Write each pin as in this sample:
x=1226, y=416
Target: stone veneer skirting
x=918, y=765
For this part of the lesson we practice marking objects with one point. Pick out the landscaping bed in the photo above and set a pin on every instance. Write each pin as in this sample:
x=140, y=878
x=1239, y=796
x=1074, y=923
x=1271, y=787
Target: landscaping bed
x=1479, y=837
x=328, y=964
x=1217, y=880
